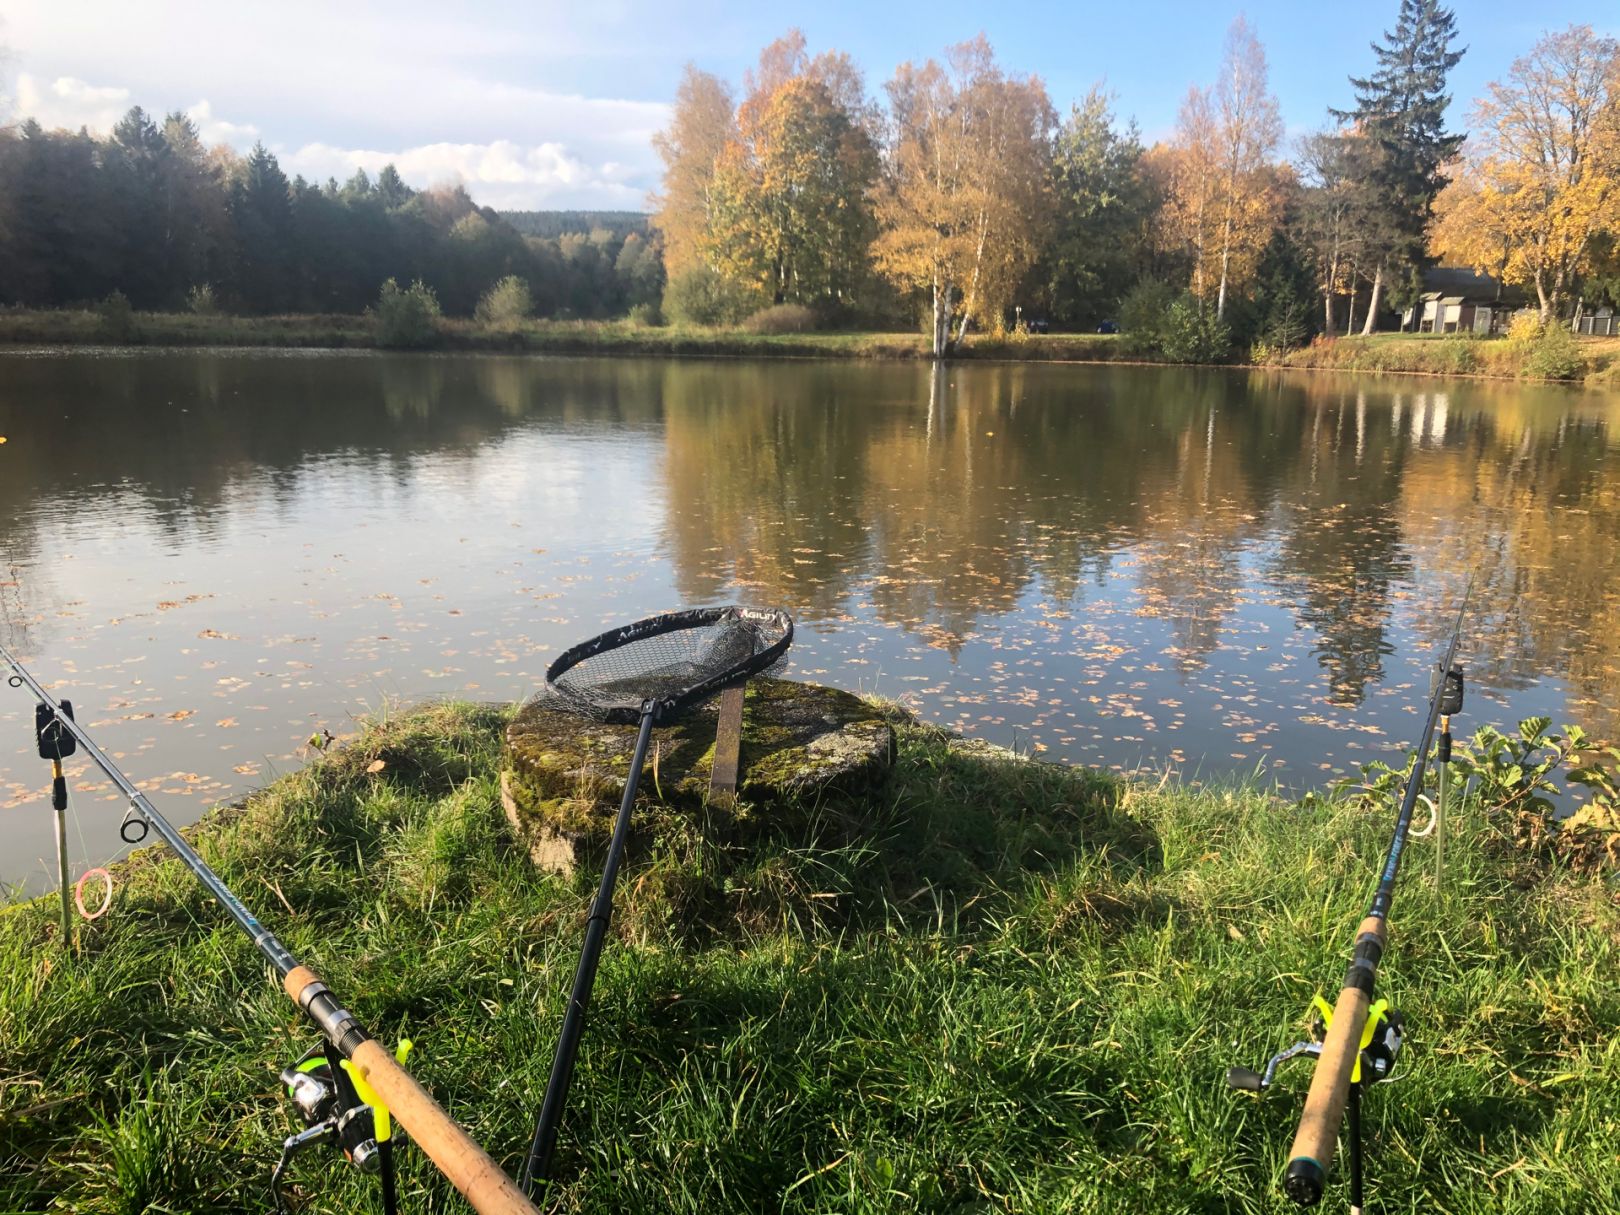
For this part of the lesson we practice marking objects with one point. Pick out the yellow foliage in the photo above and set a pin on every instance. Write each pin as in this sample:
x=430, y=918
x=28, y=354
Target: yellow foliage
x=1543, y=174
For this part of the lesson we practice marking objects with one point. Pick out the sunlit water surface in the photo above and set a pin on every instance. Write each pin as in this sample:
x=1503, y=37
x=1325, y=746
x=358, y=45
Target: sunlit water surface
x=217, y=554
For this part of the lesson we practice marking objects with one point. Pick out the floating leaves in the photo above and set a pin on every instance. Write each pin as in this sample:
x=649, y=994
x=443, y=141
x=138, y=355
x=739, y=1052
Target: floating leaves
x=1130, y=568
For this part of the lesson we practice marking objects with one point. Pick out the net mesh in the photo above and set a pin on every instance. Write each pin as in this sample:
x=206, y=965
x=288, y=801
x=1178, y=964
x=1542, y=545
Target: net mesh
x=674, y=666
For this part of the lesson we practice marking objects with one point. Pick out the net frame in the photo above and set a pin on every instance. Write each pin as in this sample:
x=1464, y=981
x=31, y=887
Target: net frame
x=675, y=661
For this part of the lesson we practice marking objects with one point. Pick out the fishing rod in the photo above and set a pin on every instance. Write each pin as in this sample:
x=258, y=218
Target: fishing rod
x=334, y=1100
x=1359, y=1040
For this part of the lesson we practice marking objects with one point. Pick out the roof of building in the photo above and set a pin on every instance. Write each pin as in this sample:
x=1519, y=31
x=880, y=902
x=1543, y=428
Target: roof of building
x=1460, y=281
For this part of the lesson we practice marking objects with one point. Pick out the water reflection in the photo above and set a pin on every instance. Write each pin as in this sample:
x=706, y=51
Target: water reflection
x=1133, y=564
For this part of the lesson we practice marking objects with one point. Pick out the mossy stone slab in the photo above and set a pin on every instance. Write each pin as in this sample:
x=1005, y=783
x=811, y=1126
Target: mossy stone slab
x=565, y=774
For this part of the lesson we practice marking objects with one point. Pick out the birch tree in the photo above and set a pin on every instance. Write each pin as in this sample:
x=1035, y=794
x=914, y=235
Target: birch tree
x=1223, y=202
x=968, y=186
x=1247, y=128
x=702, y=125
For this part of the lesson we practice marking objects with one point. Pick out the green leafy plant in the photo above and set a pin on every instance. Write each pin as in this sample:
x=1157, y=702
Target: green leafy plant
x=506, y=305
x=202, y=301
x=407, y=317
x=1142, y=316
x=1514, y=778
x=700, y=296
x=646, y=315
x=115, y=319
x=1194, y=334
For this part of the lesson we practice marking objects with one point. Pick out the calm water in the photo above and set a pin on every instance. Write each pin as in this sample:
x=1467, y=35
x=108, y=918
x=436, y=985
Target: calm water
x=216, y=554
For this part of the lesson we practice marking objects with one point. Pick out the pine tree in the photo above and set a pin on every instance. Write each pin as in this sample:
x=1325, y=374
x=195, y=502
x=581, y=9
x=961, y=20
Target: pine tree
x=1401, y=106
x=261, y=212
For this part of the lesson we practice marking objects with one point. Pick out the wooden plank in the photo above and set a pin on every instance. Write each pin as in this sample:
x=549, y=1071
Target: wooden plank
x=728, y=742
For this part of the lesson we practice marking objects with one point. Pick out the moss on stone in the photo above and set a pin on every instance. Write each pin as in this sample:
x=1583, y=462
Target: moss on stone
x=565, y=774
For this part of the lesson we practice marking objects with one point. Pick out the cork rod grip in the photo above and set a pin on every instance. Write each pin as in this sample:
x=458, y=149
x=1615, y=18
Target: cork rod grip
x=480, y=1180
x=469, y=1168
x=1318, y=1134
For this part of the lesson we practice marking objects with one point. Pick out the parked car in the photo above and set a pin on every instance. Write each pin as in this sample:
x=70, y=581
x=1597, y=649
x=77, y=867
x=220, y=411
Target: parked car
x=1108, y=327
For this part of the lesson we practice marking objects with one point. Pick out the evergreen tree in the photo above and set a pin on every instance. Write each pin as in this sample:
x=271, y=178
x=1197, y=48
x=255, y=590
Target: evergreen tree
x=1284, y=301
x=1100, y=195
x=392, y=189
x=137, y=162
x=261, y=213
x=1401, y=106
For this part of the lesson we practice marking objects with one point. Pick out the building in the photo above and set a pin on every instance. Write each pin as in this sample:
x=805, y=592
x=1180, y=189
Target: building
x=1456, y=300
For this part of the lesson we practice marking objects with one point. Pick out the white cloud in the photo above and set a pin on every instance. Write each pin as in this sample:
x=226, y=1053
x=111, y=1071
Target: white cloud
x=212, y=130
x=605, y=161
x=70, y=103
x=501, y=174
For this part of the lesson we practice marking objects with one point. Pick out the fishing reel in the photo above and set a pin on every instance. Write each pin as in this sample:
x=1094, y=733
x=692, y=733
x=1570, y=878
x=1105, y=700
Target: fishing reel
x=333, y=1112
x=1381, y=1043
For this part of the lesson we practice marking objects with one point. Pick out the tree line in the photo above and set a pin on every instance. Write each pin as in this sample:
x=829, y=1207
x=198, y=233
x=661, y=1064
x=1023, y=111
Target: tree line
x=965, y=200
x=153, y=214
x=959, y=200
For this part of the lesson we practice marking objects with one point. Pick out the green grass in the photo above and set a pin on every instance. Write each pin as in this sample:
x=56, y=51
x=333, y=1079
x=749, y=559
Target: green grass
x=1007, y=987
x=70, y=327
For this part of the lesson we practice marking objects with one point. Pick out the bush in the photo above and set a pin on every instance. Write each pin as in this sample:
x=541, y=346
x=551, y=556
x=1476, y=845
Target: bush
x=646, y=315
x=781, y=318
x=1523, y=333
x=202, y=301
x=699, y=296
x=407, y=318
x=505, y=305
x=1142, y=316
x=115, y=319
x=1192, y=334
x=1457, y=354
x=1555, y=354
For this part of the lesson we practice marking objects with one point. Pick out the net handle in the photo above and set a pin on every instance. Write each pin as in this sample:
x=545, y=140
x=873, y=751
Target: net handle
x=673, y=622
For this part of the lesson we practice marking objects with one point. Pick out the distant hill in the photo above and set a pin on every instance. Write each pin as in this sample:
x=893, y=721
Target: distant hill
x=556, y=223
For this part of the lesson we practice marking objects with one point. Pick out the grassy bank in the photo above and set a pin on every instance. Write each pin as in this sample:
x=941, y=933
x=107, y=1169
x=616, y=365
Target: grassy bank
x=1595, y=360
x=1010, y=987
x=21, y=327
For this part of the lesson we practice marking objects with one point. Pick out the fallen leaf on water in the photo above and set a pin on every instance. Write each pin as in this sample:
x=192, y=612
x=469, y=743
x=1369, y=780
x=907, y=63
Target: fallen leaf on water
x=181, y=714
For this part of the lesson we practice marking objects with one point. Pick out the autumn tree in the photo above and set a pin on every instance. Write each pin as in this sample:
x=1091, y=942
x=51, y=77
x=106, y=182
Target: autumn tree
x=1247, y=128
x=1189, y=170
x=966, y=200
x=1223, y=186
x=792, y=210
x=1400, y=109
x=1542, y=177
x=702, y=125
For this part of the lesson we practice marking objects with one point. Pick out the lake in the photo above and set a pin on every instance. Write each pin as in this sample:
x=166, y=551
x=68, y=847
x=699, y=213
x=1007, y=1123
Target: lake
x=1218, y=573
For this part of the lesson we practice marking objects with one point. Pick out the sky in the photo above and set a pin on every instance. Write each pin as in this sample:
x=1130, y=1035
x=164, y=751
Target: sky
x=538, y=104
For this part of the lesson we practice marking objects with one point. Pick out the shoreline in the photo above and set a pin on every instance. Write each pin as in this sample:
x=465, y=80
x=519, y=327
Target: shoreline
x=955, y=945
x=30, y=331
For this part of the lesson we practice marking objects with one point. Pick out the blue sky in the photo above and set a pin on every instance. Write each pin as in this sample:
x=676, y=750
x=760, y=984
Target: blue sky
x=546, y=104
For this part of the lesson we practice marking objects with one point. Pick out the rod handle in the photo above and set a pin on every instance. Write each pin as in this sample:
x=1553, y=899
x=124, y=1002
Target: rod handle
x=1318, y=1135
x=481, y=1181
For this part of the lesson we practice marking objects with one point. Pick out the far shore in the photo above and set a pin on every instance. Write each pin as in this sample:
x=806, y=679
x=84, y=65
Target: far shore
x=1423, y=354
